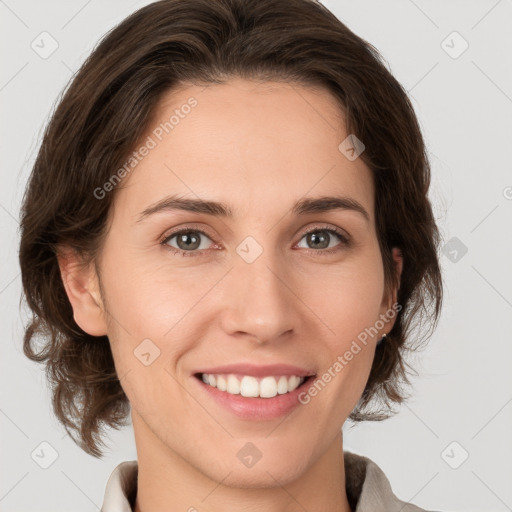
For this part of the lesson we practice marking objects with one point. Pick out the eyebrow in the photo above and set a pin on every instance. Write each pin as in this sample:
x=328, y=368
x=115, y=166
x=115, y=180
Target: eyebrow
x=301, y=207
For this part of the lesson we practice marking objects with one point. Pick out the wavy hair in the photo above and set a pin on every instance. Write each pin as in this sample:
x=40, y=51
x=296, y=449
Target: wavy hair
x=106, y=109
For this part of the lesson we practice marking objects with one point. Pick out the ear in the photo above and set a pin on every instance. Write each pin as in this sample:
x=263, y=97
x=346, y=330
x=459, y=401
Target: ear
x=390, y=295
x=82, y=288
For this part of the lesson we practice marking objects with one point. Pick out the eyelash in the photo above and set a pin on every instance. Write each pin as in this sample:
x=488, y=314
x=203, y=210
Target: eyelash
x=345, y=241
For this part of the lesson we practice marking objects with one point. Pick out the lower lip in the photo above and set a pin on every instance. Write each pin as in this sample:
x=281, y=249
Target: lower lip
x=254, y=408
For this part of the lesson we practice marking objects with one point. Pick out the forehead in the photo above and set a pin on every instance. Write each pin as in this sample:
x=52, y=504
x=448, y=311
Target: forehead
x=250, y=145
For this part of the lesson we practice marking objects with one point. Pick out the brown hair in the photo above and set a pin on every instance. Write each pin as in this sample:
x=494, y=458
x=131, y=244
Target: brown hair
x=106, y=110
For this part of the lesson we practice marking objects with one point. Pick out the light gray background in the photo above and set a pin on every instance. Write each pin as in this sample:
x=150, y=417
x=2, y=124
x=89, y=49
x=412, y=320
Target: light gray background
x=464, y=390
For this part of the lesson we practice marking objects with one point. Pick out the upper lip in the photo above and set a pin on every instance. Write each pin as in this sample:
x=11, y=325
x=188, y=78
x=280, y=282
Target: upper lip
x=258, y=371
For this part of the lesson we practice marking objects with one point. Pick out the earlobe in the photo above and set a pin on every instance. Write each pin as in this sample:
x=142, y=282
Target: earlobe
x=82, y=288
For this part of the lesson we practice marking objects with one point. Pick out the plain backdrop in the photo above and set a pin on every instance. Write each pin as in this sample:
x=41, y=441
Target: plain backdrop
x=450, y=447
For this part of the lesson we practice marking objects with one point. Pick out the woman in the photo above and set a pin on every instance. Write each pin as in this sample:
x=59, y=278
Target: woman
x=227, y=236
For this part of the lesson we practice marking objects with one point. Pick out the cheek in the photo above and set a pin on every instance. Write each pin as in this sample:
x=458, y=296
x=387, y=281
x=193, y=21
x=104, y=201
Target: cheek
x=347, y=296
x=154, y=302
x=145, y=296
x=351, y=308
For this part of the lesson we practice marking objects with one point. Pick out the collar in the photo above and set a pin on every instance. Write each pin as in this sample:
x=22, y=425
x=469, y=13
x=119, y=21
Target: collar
x=368, y=489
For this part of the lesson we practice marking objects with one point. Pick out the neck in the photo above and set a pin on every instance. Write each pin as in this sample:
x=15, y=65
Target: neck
x=166, y=481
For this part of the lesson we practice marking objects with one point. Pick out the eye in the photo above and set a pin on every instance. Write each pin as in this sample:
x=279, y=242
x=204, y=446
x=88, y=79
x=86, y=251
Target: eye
x=320, y=238
x=188, y=241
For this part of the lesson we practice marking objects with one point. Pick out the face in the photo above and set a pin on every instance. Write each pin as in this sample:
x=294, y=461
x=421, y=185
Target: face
x=268, y=284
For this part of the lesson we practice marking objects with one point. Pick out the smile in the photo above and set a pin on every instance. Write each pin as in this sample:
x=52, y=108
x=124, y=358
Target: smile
x=254, y=398
x=250, y=386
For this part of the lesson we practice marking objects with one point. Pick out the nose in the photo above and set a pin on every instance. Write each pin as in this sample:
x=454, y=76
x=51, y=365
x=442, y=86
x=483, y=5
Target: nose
x=259, y=301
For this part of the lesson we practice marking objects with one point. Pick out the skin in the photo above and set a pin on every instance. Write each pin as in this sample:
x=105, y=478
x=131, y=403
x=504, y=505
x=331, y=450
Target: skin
x=257, y=147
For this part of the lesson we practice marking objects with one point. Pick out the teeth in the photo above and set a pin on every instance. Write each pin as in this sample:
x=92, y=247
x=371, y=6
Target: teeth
x=221, y=383
x=249, y=386
x=233, y=386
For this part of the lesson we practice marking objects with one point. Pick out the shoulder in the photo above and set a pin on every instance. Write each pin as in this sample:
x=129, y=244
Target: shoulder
x=121, y=488
x=368, y=488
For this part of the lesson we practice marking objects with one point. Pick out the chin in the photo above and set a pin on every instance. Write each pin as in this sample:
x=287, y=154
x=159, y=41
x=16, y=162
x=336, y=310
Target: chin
x=275, y=471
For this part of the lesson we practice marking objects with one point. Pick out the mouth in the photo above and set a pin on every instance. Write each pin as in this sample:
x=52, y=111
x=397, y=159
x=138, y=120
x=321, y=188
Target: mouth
x=249, y=386
x=248, y=397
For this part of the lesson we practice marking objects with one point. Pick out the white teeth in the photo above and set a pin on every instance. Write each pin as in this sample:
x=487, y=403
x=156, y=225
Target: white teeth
x=269, y=388
x=233, y=385
x=249, y=386
x=282, y=385
x=221, y=383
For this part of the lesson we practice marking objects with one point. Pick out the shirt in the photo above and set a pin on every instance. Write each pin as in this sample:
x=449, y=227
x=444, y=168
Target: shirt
x=367, y=487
